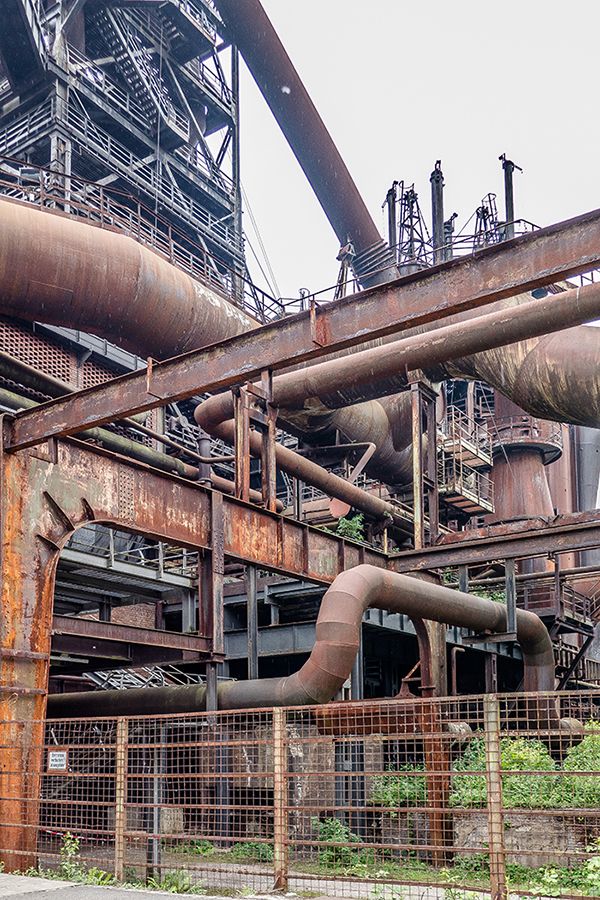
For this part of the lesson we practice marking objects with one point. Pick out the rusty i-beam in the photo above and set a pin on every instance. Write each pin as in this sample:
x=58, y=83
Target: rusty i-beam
x=45, y=495
x=531, y=261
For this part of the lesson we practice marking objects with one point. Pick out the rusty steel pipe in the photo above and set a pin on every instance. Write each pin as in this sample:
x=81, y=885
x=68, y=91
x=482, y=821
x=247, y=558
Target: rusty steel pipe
x=336, y=645
x=311, y=473
x=308, y=137
x=382, y=370
x=151, y=307
x=66, y=272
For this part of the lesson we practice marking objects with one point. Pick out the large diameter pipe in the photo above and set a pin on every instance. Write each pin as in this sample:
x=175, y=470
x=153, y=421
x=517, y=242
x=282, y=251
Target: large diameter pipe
x=337, y=642
x=63, y=271
x=382, y=370
x=308, y=137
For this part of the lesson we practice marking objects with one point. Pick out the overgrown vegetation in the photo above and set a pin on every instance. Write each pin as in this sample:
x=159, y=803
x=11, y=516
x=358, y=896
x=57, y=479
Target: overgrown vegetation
x=337, y=833
x=353, y=528
x=518, y=791
x=254, y=851
x=71, y=868
x=395, y=790
x=557, y=788
x=175, y=882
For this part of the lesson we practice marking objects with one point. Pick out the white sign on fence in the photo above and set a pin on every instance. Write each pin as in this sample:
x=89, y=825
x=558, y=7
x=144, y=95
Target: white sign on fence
x=58, y=760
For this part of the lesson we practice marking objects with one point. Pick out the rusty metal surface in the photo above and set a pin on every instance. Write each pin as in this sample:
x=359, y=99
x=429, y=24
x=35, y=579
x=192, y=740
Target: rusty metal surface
x=52, y=264
x=538, y=374
x=74, y=626
x=491, y=274
x=337, y=382
x=520, y=486
x=236, y=800
x=310, y=472
x=529, y=537
x=338, y=636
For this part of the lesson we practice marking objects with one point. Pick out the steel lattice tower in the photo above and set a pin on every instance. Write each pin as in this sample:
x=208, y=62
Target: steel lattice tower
x=141, y=99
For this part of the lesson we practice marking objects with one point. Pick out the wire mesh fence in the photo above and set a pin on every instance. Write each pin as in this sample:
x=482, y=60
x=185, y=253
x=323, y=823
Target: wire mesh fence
x=496, y=795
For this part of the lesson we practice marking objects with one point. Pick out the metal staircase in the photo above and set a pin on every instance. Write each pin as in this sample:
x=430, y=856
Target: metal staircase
x=465, y=455
x=136, y=65
x=22, y=45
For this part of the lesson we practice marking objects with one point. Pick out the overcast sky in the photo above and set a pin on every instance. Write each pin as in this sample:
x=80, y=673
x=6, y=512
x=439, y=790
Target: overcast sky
x=401, y=84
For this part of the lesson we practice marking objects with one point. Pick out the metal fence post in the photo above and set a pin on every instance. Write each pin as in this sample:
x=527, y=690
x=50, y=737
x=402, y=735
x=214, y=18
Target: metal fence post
x=491, y=717
x=280, y=812
x=120, y=795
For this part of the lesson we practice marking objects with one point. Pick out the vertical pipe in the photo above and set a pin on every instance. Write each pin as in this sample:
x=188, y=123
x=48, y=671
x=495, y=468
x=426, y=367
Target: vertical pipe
x=252, y=624
x=511, y=596
x=242, y=444
x=417, y=456
x=298, y=488
x=437, y=211
x=509, y=198
x=204, y=450
x=357, y=675
x=238, y=282
x=449, y=237
x=392, y=225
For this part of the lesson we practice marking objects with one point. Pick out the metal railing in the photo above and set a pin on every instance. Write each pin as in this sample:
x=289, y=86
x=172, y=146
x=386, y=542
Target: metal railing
x=459, y=432
x=368, y=800
x=541, y=597
x=137, y=60
x=112, y=208
x=586, y=672
x=121, y=547
x=96, y=79
x=458, y=482
x=527, y=430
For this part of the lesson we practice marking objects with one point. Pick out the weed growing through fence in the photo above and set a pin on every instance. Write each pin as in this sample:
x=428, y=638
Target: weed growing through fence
x=175, y=882
x=71, y=868
x=400, y=790
x=256, y=851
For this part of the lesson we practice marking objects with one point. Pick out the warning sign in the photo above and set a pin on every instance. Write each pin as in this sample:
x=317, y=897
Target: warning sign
x=58, y=760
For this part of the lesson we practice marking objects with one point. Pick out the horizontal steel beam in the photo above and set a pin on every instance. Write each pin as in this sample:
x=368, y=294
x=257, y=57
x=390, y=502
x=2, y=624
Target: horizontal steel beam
x=91, y=484
x=528, y=538
x=158, y=581
x=129, y=634
x=533, y=260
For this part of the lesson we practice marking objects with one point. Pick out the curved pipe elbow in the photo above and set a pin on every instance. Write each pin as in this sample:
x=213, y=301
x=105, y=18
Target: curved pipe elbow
x=338, y=635
x=337, y=642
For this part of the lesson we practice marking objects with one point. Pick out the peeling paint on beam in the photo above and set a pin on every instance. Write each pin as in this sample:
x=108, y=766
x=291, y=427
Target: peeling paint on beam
x=527, y=262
